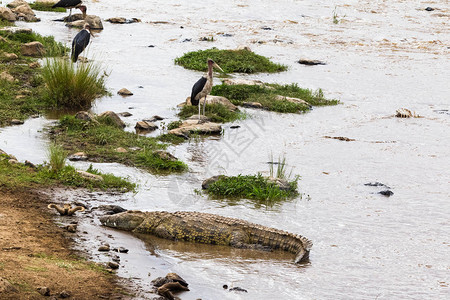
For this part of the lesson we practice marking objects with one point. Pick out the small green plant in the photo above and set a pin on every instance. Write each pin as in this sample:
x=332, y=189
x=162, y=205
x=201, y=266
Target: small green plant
x=207, y=39
x=281, y=167
x=72, y=86
x=174, y=124
x=231, y=61
x=336, y=19
x=57, y=157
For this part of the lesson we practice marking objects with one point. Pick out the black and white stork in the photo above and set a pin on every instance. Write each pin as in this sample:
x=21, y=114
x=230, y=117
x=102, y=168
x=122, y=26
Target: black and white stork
x=80, y=42
x=203, y=87
x=68, y=4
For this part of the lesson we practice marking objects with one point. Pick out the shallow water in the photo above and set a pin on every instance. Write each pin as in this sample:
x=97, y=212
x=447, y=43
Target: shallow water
x=379, y=58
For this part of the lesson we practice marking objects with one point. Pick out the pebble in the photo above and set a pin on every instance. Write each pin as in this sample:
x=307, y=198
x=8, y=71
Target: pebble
x=44, y=291
x=113, y=265
x=104, y=248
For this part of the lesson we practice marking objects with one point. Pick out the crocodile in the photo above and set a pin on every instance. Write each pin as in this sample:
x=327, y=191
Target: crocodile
x=210, y=229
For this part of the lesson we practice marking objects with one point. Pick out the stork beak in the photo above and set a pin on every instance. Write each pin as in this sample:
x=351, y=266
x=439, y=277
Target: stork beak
x=218, y=67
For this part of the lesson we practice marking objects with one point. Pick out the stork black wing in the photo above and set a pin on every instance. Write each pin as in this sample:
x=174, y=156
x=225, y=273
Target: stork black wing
x=67, y=3
x=196, y=89
x=80, y=41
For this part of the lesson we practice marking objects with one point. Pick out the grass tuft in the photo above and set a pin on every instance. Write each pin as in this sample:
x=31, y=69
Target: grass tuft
x=57, y=157
x=72, y=86
x=254, y=187
x=231, y=61
x=265, y=94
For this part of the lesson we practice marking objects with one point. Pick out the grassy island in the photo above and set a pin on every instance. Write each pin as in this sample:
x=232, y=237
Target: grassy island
x=231, y=61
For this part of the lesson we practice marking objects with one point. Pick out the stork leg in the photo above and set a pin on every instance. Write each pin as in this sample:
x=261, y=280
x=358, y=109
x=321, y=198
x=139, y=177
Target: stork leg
x=204, y=106
x=199, y=103
x=70, y=13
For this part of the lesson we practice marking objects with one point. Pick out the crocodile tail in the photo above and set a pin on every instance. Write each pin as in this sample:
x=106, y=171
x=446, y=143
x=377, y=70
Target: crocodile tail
x=303, y=254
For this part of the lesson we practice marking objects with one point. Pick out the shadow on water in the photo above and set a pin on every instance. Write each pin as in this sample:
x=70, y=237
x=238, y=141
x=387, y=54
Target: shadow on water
x=198, y=252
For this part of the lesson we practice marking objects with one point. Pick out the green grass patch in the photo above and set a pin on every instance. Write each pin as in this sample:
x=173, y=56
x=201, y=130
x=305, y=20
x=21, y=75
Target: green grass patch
x=216, y=112
x=46, y=6
x=71, y=85
x=254, y=187
x=173, y=125
x=24, y=96
x=266, y=94
x=19, y=176
x=101, y=138
x=170, y=138
x=15, y=40
x=231, y=61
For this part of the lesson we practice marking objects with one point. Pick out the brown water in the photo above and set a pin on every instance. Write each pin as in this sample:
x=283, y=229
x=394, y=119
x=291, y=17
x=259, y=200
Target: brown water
x=381, y=56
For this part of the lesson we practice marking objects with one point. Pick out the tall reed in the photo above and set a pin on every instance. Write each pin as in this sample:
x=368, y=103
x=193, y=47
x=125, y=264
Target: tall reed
x=71, y=85
x=57, y=157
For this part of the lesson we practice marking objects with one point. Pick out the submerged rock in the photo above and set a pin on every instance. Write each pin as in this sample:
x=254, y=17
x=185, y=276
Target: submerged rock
x=78, y=156
x=124, y=92
x=253, y=105
x=386, y=193
x=121, y=20
x=309, y=62
x=16, y=122
x=237, y=289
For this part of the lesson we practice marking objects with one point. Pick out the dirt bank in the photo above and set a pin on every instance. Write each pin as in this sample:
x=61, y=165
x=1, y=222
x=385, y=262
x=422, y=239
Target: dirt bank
x=35, y=253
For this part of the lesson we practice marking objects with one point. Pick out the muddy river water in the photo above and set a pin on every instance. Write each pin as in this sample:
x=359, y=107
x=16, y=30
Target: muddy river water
x=380, y=56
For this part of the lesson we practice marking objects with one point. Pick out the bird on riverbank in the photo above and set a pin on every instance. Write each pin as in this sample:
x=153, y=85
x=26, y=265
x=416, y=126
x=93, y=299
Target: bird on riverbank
x=80, y=42
x=203, y=87
x=68, y=4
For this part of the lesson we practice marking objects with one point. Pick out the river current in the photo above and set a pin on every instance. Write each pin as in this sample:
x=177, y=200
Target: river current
x=380, y=56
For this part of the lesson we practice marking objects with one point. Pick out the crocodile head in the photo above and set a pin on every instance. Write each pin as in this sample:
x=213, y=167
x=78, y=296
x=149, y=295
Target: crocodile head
x=128, y=220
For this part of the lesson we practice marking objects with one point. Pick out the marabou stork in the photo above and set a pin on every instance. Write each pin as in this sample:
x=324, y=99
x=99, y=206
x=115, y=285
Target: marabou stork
x=80, y=41
x=203, y=87
x=68, y=4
